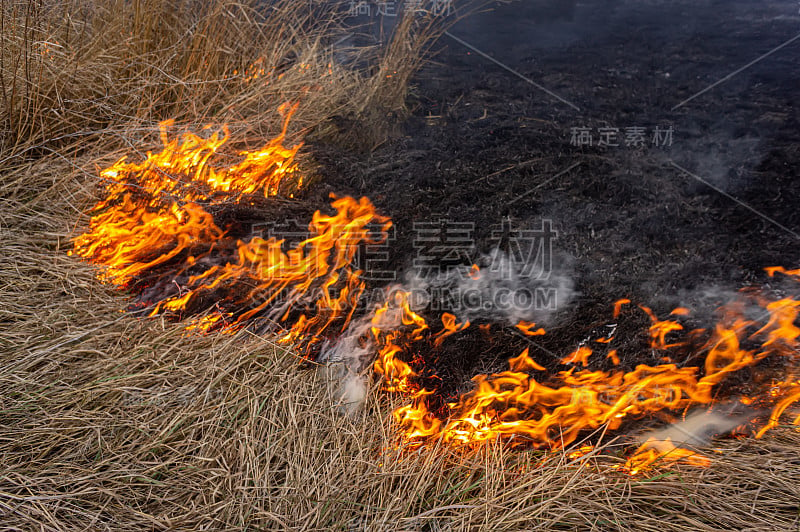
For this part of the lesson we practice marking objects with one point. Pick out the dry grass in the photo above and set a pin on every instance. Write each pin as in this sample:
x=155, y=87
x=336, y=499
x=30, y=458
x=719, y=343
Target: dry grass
x=88, y=69
x=108, y=421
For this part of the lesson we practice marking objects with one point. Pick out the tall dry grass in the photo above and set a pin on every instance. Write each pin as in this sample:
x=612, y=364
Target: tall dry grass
x=83, y=68
x=112, y=422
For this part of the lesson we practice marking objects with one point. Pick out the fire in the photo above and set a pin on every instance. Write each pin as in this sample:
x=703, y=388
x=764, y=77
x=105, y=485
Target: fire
x=523, y=362
x=579, y=356
x=153, y=210
x=394, y=326
x=580, y=452
x=659, y=329
x=664, y=452
x=126, y=237
x=155, y=233
x=789, y=397
x=449, y=327
x=282, y=282
x=158, y=233
x=522, y=406
x=527, y=328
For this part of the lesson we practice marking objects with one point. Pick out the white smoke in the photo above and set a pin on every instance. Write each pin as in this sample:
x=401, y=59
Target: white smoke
x=698, y=428
x=501, y=292
x=347, y=357
x=509, y=294
x=344, y=360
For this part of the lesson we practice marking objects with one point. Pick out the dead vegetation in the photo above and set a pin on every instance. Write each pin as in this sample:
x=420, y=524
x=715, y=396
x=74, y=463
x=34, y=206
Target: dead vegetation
x=110, y=421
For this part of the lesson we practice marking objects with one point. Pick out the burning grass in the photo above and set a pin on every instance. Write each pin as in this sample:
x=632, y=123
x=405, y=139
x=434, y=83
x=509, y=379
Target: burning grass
x=116, y=422
x=154, y=233
x=113, y=422
x=125, y=423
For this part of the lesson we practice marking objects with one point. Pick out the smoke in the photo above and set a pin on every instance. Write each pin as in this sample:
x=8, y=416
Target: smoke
x=709, y=302
x=698, y=428
x=348, y=387
x=721, y=156
x=347, y=357
x=503, y=291
x=705, y=301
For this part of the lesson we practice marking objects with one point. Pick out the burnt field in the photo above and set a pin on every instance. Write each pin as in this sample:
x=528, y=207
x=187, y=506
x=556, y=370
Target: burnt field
x=609, y=225
x=667, y=221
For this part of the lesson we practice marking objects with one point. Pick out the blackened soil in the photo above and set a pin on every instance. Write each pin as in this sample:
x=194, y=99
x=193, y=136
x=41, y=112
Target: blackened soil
x=483, y=144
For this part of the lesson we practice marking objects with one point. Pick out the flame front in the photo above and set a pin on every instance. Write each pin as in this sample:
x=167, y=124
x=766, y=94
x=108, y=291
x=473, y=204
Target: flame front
x=154, y=233
x=525, y=405
x=157, y=209
x=158, y=233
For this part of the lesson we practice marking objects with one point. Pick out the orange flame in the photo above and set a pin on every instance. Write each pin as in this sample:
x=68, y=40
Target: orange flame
x=152, y=210
x=659, y=329
x=579, y=356
x=664, y=451
x=527, y=328
x=552, y=412
x=152, y=215
x=391, y=323
x=450, y=327
x=523, y=362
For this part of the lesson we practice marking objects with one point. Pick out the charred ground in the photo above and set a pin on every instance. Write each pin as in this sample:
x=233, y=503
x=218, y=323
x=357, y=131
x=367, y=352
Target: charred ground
x=481, y=145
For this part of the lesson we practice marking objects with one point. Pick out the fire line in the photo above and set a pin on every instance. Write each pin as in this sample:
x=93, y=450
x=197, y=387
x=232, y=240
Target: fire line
x=156, y=234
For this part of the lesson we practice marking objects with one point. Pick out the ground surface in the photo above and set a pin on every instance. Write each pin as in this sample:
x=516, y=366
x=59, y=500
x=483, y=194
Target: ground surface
x=483, y=145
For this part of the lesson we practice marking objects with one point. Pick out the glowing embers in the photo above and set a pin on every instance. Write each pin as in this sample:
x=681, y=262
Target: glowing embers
x=529, y=406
